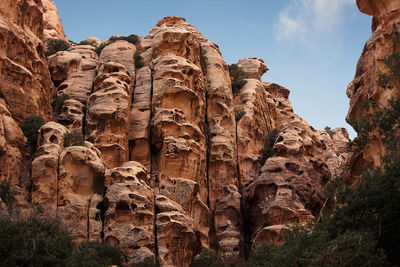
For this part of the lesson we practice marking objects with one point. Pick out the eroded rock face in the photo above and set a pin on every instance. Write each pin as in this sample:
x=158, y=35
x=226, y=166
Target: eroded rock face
x=289, y=188
x=367, y=94
x=25, y=80
x=177, y=238
x=45, y=165
x=13, y=154
x=53, y=28
x=377, y=7
x=129, y=216
x=108, y=113
x=80, y=191
x=173, y=161
x=253, y=67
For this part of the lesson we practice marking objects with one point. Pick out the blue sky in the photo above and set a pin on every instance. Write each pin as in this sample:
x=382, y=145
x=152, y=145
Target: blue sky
x=310, y=46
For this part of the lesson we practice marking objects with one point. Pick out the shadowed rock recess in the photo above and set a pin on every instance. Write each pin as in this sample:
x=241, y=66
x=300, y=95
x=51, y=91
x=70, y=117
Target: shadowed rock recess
x=174, y=160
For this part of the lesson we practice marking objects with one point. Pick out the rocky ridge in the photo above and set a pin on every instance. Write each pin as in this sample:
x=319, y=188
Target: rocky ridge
x=173, y=161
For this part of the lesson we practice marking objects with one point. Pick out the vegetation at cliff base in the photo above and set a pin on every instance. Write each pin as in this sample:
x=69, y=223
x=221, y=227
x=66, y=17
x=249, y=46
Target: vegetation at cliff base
x=74, y=138
x=30, y=127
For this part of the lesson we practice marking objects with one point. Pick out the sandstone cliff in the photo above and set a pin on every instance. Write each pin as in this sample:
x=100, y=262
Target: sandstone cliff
x=174, y=160
x=375, y=81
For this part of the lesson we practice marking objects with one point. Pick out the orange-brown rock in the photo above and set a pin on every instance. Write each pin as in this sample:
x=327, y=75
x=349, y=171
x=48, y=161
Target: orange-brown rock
x=377, y=7
x=80, y=191
x=253, y=67
x=129, y=216
x=25, y=80
x=53, y=28
x=140, y=115
x=368, y=95
x=13, y=155
x=108, y=113
x=289, y=189
x=177, y=238
x=45, y=165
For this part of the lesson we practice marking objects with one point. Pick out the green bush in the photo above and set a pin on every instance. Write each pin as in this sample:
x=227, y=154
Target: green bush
x=138, y=60
x=74, y=138
x=329, y=131
x=55, y=45
x=237, y=78
x=44, y=242
x=93, y=254
x=147, y=263
x=6, y=194
x=34, y=243
x=58, y=103
x=30, y=128
x=206, y=258
x=133, y=39
x=268, y=150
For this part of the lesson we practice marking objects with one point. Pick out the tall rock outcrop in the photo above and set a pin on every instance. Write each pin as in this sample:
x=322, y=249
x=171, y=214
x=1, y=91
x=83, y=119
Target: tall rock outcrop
x=374, y=82
x=174, y=160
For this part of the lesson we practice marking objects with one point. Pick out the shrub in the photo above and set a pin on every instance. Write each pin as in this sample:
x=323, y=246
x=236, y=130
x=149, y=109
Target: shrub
x=58, y=103
x=138, y=60
x=239, y=114
x=133, y=39
x=74, y=138
x=40, y=242
x=237, y=78
x=147, y=263
x=384, y=81
x=30, y=128
x=268, y=150
x=93, y=254
x=34, y=243
x=206, y=258
x=56, y=45
x=329, y=131
x=6, y=194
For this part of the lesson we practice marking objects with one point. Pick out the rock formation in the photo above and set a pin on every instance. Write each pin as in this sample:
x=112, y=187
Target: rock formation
x=373, y=86
x=174, y=161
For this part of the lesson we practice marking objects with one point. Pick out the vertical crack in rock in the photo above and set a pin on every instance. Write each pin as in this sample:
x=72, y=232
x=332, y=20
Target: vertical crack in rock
x=153, y=178
x=155, y=231
x=88, y=218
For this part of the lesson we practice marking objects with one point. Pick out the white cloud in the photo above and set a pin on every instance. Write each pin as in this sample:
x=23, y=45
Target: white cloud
x=302, y=18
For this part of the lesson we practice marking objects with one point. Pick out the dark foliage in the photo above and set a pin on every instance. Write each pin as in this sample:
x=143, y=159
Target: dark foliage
x=268, y=150
x=58, y=103
x=237, y=78
x=133, y=39
x=55, y=45
x=93, y=254
x=138, y=60
x=6, y=194
x=74, y=138
x=206, y=258
x=40, y=242
x=147, y=263
x=30, y=128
